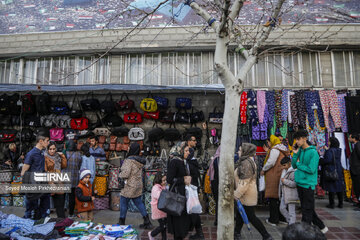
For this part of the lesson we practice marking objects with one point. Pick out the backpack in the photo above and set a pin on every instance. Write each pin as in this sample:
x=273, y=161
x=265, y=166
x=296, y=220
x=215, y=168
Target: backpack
x=14, y=108
x=42, y=103
x=28, y=104
x=136, y=134
x=32, y=121
x=4, y=104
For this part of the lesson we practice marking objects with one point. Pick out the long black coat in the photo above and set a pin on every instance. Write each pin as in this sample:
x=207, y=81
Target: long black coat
x=178, y=225
x=327, y=163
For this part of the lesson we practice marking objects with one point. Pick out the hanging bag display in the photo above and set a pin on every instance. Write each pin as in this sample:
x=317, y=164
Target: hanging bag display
x=120, y=131
x=124, y=103
x=114, y=178
x=8, y=135
x=90, y=104
x=102, y=168
x=133, y=117
x=172, y=134
x=216, y=117
x=4, y=104
x=70, y=134
x=112, y=120
x=26, y=135
x=155, y=134
x=113, y=140
x=59, y=107
x=182, y=116
x=107, y=106
x=28, y=104
x=32, y=121
x=102, y=132
x=162, y=102
x=183, y=103
x=57, y=134
x=42, y=103
x=76, y=112
x=196, y=116
x=148, y=104
x=62, y=121
x=79, y=123
x=171, y=202
x=136, y=134
x=14, y=107
x=166, y=116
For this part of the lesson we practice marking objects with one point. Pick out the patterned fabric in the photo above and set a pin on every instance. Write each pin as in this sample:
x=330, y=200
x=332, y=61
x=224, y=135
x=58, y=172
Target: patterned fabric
x=278, y=102
x=44, y=229
x=294, y=112
x=243, y=107
x=212, y=205
x=330, y=105
x=100, y=184
x=147, y=201
x=312, y=99
x=18, y=201
x=261, y=104
x=284, y=105
x=15, y=221
x=101, y=202
x=252, y=107
x=289, y=94
x=270, y=102
x=342, y=107
x=301, y=108
x=348, y=183
x=259, y=131
x=317, y=135
x=114, y=178
x=149, y=179
x=73, y=166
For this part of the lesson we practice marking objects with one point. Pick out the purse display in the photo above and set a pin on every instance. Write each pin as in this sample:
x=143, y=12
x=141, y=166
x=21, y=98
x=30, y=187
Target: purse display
x=124, y=103
x=59, y=107
x=216, y=117
x=162, y=102
x=183, y=103
x=148, y=104
x=136, y=134
x=133, y=117
x=90, y=104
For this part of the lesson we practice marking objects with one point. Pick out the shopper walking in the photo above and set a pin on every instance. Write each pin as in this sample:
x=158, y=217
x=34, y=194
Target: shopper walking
x=131, y=173
x=331, y=163
x=306, y=161
x=55, y=162
x=355, y=166
x=159, y=185
x=214, y=179
x=35, y=162
x=272, y=170
x=178, y=174
x=246, y=190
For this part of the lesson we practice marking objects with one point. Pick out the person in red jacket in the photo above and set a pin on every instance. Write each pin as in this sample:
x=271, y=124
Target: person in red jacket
x=84, y=201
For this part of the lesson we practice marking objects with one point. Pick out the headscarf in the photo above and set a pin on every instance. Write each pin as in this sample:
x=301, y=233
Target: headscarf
x=134, y=149
x=56, y=158
x=211, y=171
x=71, y=146
x=274, y=140
x=178, y=150
x=86, y=150
x=246, y=167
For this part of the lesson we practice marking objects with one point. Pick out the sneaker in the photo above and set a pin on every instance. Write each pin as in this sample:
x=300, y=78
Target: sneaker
x=284, y=223
x=330, y=206
x=324, y=230
x=270, y=223
x=150, y=237
x=357, y=209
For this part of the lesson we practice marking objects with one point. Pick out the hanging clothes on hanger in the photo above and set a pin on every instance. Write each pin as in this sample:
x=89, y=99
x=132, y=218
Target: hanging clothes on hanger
x=353, y=113
x=330, y=105
x=278, y=110
x=301, y=108
x=294, y=112
x=243, y=107
x=285, y=105
x=261, y=104
x=312, y=99
x=270, y=102
x=342, y=107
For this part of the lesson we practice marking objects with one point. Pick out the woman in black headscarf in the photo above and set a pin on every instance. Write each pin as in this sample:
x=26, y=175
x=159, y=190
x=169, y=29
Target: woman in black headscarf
x=131, y=173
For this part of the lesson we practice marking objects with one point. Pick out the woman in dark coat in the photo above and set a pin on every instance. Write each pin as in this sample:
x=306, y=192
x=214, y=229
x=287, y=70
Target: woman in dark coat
x=327, y=163
x=177, y=169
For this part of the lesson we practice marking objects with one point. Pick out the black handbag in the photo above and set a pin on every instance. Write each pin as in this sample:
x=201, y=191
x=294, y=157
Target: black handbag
x=90, y=104
x=182, y=116
x=197, y=116
x=76, y=112
x=171, y=202
x=112, y=120
x=216, y=116
x=331, y=175
x=59, y=107
x=108, y=105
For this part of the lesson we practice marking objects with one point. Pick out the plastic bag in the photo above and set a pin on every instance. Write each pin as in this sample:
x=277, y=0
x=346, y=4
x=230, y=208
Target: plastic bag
x=192, y=200
x=262, y=183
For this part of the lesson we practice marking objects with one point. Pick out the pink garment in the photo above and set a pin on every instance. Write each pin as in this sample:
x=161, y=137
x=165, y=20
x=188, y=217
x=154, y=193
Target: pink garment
x=330, y=105
x=261, y=103
x=155, y=194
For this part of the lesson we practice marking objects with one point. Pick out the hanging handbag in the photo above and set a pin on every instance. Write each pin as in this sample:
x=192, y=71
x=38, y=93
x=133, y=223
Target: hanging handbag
x=331, y=176
x=107, y=106
x=162, y=102
x=62, y=121
x=42, y=103
x=32, y=121
x=8, y=135
x=112, y=120
x=124, y=104
x=197, y=116
x=216, y=117
x=166, y=116
x=28, y=104
x=120, y=131
x=182, y=117
x=76, y=113
x=79, y=123
x=156, y=134
x=102, y=132
x=59, y=107
x=14, y=107
x=183, y=103
x=26, y=135
x=151, y=115
x=57, y=134
x=136, y=134
x=70, y=134
x=133, y=117
x=171, y=202
x=4, y=104
x=90, y=104
x=148, y=104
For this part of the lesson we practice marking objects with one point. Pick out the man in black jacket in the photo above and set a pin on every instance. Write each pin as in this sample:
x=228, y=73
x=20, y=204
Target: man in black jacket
x=355, y=166
x=194, y=168
x=11, y=157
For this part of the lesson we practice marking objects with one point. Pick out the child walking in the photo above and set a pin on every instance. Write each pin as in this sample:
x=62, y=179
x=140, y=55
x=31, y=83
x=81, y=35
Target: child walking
x=288, y=191
x=159, y=185
x=84, y=198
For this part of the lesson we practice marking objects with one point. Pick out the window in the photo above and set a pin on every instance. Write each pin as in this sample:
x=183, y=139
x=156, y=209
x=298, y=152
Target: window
x=346, y=69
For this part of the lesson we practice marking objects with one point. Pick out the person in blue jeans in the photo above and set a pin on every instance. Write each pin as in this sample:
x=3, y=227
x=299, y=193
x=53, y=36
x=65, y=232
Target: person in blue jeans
x=35, y=162
x=131, y=173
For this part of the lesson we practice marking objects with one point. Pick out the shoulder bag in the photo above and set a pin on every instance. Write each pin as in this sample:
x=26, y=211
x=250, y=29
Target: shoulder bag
x=171, y=202
x=331, y=175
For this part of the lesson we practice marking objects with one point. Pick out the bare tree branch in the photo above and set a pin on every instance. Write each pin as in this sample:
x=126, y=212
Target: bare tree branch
x=205, y=15
x=223, y=29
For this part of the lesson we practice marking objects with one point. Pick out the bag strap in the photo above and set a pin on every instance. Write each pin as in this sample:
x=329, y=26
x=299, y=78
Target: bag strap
x=334, y=161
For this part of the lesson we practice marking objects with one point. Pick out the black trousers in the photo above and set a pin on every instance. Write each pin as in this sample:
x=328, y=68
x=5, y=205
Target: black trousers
x=274, y=209
x=255, y=221
x=160, y=229
x=72, y=201
x=195, y=221
x=332, y=198
x=307, y=202
x=59, y=204
x=356, y=185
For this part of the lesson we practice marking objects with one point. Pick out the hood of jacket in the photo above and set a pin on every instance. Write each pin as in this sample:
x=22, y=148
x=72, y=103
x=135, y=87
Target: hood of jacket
x=138, y=160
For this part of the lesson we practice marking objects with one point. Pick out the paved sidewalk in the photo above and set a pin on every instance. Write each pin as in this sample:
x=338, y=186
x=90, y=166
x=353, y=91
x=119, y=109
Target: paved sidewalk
x=343, y=223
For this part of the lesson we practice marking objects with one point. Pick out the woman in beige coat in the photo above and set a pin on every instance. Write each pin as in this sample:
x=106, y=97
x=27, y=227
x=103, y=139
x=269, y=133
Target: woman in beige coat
x=246, y=190
x=131, y=173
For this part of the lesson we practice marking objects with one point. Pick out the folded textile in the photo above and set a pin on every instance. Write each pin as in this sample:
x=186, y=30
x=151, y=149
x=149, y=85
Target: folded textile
x=44, y=229
x=3, y=215
x=15, y=221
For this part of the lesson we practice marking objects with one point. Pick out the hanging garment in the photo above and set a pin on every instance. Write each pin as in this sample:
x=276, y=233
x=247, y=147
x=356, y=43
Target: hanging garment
x=317, y=135
x=252, y=107
x=344, y=160
x=284, y=105
x=261, y=104
x=312, y=100
x=243, y=107
x=294, y=112
x=342, y=107
x=348, y=183
x=330, y=105
x=278, y=103
x=301, y=108
x=353, y=113
x=289, y=95
x=270, y=102
x=259, y=131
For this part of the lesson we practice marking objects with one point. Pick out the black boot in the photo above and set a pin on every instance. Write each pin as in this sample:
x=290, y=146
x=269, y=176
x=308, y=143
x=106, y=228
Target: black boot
x=147, y=224
x=198, y=235
x=121, y=221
